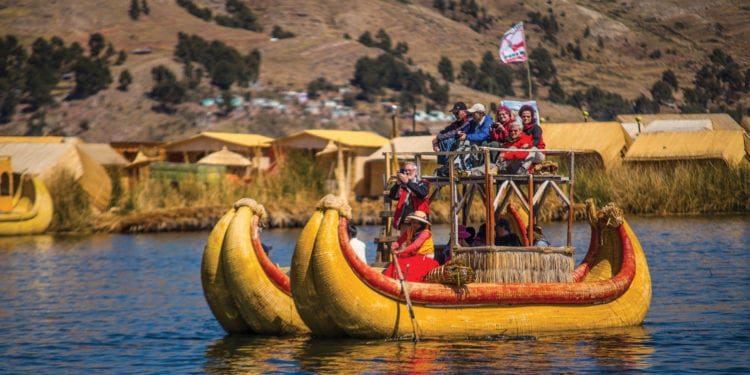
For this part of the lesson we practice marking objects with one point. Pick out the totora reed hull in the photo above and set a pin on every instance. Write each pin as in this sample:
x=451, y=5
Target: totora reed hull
x=245, y=291
x=611, y=288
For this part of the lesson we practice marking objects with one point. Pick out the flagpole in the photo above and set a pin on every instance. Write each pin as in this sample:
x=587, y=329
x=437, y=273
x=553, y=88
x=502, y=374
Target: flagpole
x=528, y=75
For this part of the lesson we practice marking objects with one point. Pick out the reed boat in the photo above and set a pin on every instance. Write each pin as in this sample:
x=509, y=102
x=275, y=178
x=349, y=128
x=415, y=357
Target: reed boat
x=25, y=205
x=246, y=292
x=610, y=288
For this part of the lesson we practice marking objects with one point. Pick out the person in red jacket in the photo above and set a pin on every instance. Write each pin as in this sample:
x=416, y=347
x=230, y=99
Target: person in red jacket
x=516, y=162
x=499, y=130
x=530, y=127
x=414, y=249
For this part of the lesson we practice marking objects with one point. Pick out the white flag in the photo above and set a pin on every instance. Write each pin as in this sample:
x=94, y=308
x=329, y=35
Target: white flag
x=513, y=45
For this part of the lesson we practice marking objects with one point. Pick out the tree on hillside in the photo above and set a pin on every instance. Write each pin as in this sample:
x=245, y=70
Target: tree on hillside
x=445, y=68
x=134, y=11
x=121, y=57
x=669, y=77
x=439, y=5
x=317, y=85
x=279, y=33
x=41, y=74
x=401, y=49
x=92, y=76
x=96, y=44
x=661, y=92
x=167, y=90
x=601, y=105
x=383, y=40
x=144, y=7
x=224, y=75
x=542, y=67
x=366, y=39
x=125, y=80
x=12, y=79
x=556, y=93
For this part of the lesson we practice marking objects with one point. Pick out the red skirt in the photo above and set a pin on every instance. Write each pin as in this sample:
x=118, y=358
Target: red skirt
x=413, y=267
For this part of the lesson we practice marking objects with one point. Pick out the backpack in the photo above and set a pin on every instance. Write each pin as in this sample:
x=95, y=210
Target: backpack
x=466, y=162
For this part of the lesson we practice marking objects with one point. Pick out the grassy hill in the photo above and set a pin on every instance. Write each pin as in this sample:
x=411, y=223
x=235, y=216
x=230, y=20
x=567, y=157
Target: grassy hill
x=617, y=39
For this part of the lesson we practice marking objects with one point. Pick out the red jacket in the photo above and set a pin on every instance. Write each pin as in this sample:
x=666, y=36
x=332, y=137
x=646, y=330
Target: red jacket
x=419, y=194
x=524, y=141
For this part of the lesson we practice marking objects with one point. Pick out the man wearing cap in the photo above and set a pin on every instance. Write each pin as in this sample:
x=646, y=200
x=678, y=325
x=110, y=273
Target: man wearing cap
x=446, y=139
x=478, y=130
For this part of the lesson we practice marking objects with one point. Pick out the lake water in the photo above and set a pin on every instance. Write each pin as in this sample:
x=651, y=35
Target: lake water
x=133, y=304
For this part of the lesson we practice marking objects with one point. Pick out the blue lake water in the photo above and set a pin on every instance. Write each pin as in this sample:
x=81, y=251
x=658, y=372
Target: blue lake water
x=133, y=304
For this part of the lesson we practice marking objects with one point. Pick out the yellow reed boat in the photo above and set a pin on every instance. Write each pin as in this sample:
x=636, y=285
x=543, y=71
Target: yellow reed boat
x=245, y=291
x=610, y=288
x=25, y=204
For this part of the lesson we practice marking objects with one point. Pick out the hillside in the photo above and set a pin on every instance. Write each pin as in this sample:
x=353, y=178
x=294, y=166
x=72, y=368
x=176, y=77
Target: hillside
x=616, y=38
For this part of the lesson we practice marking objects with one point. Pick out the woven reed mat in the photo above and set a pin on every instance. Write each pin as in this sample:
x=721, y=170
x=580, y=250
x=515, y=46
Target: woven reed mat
x=518, y=265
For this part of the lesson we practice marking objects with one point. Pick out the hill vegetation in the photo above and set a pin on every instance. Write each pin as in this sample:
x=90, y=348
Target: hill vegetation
x=113, y=71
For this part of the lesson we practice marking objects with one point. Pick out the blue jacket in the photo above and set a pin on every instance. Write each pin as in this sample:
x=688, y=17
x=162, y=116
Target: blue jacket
x=479, y=132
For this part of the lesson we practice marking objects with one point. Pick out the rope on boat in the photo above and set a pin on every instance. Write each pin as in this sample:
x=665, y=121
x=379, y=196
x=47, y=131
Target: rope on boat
x=331, y=201
x=255, y=207
x=610, y=215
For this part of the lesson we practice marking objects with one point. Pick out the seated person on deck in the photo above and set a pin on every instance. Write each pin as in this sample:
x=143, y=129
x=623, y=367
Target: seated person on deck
x=414, y=249
x=516, y=162
x=447, y=139
x=503, y=234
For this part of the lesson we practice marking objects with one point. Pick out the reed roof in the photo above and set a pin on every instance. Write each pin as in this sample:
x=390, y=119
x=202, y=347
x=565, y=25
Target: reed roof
x=104, y=154
x=237, y=139
x=317, y=139
x=225, y=157
x=719, y=121
x=606, y=140
x=726, y=145
x=420, y=143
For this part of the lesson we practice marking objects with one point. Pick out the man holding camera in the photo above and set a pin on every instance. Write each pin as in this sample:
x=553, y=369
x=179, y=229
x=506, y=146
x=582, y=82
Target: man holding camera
x=411, y=192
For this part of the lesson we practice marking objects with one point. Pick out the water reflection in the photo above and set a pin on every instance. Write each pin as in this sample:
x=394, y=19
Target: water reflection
x=614, y=350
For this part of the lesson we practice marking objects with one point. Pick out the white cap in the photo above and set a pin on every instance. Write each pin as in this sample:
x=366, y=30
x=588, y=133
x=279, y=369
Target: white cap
x=479, y=107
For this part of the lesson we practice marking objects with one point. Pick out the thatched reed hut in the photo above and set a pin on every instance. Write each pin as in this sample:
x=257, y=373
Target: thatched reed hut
x=44, y=157
x=600, y=144
x=324, y=145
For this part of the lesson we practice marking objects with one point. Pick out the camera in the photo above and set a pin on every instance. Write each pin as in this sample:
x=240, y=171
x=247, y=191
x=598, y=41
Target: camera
x=402, y=170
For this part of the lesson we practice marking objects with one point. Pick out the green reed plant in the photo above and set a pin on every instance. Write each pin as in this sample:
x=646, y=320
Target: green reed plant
x=296, y=179
x=72, y=208
x=669, y=188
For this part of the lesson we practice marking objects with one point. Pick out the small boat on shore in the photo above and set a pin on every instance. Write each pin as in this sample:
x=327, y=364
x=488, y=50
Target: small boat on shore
x=246, y=292
x=25, y=205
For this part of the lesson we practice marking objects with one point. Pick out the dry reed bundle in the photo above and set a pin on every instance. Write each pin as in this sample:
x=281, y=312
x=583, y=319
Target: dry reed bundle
x=518, y=265
x=453, y=273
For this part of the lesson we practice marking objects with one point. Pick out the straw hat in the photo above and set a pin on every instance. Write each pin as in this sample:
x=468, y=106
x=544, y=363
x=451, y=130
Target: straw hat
x=418, y=216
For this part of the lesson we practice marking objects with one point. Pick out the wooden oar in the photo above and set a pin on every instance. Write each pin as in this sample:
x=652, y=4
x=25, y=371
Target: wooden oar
x=408, y=299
